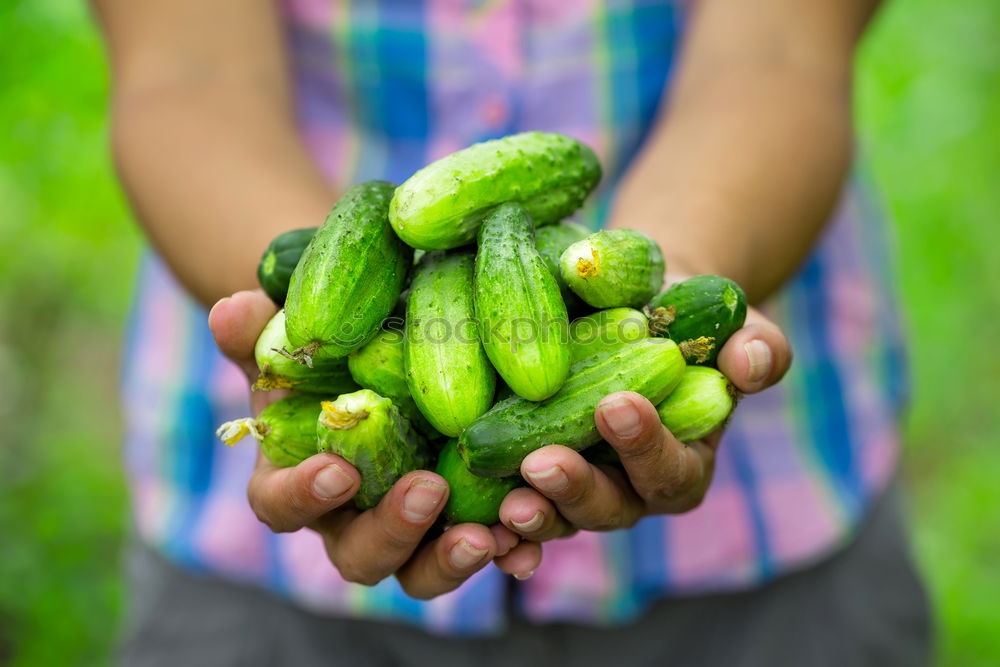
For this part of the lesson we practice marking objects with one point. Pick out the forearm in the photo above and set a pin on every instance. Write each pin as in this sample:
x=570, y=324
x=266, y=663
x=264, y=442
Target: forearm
x=205, y=137
x=749, y=155
x=213, y=176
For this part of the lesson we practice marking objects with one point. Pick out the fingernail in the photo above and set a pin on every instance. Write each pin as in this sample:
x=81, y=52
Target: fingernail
x=622, y=417
x=463, y=555
x=331, y=482
x=759, y=359
x=552, y=480
x=421, y=499
x=531, y=525
x=520, y=577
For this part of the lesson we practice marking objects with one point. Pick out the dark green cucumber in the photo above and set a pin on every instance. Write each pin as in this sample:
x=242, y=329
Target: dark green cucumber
x=495, y=444
x=442, y=205
x=279, y=261
x=448, y=373
x=551, y=242
x=279, y=371
x=286, y=429
x=379, y=366
x=349, y=277
x=606, y=330
x=368, y=431
x=700, y=313
x=700, y=404
x=472, y=498
x=522, y=318
x=612, y=268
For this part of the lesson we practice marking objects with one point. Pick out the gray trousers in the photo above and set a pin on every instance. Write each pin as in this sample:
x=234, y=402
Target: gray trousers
x=863, y=606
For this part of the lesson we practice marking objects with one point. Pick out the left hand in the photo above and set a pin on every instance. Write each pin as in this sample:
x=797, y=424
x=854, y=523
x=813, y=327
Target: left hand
x=661, y=474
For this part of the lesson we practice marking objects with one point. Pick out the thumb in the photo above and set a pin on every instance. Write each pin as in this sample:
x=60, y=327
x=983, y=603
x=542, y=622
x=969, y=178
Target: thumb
x=236, y=322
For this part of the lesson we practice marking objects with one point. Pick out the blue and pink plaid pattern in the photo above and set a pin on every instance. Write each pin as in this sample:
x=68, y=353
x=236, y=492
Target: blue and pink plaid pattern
x=383, y=88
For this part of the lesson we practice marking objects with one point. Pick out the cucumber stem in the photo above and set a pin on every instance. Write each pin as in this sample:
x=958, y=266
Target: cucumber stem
x=660, y=319
x=303, y=355
x=336, y=419
x=697, y=348
x=234, y=431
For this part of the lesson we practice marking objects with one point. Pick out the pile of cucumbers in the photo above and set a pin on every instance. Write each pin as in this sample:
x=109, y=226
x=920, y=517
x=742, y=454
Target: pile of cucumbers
x=459, y=321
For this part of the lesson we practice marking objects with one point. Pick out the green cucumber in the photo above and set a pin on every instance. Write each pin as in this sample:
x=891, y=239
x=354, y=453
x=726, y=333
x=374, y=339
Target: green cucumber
x=442, y=205
x=551, y=242
x=522, y=318
x=279, y=371
x=496, y=443
x=700, y=404
x=700, y=313
x=349, y=277
x=612, y=268
x=472, y=498
x=279, y=261
x=368, y=431
x=379, y=366
x=448, y=373
x=606, y=330
x=286, y=430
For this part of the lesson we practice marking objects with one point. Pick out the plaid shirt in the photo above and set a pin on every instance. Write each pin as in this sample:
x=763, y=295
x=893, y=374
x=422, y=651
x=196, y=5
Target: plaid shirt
x=386, y=86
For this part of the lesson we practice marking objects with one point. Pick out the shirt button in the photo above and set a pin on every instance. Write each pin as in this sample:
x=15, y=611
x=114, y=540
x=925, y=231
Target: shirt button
x=494, y=112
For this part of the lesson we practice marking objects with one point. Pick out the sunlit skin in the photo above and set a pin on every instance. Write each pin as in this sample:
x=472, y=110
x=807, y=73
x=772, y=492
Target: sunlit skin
x=737, y=178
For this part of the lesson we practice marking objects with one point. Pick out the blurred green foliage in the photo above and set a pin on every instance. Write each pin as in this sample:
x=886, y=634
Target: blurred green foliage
x=929, y=115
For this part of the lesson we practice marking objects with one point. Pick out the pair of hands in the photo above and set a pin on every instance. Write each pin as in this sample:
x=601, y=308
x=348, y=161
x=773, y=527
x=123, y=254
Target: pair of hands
x=661, y=476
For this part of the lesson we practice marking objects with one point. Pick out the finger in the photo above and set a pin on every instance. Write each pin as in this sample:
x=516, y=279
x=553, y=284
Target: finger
x=585, y=495
x=506, y=539
x=522, y=561
x=669, y=475
x=370, y=546
x=443, y=564
x=531, y=515
x=287, y=499
x=756, y=356
x=236, y=322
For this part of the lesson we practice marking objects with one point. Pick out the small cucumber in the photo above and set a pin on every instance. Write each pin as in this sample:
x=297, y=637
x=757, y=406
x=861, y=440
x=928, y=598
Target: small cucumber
x=522, y=318
x=606, y=330
x=279, y=261
x=286, y=430
x=496, y=443
x=379, y=366
x=349, y=277
x=442, y=205
x=279, y=371
x=471, y=498
x=700, y=313
x=448, y=373
x=612, y=268
x=700, y=404
x=368, y=431
x=551, y=242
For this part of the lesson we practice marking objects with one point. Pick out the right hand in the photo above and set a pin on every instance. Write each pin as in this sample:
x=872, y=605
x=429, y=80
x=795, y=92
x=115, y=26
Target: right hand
x=389, y=539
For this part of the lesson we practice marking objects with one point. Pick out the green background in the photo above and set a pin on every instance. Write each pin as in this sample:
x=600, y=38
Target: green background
x=929, y=119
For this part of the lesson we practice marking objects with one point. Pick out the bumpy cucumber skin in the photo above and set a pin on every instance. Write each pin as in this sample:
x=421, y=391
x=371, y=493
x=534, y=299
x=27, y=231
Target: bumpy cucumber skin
x=551, y=242
x=291, y=429
x=613, y=268
x=523, y=323
x=329, y=376
x=704, y=306
x=471, y=498
x=349, y=277
x=496, y=443
x=379, y=366
x=448, y=373
x=701, y=403
x=442, y=205
x=606, y=330
x=368, y=431
x=279, y=261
